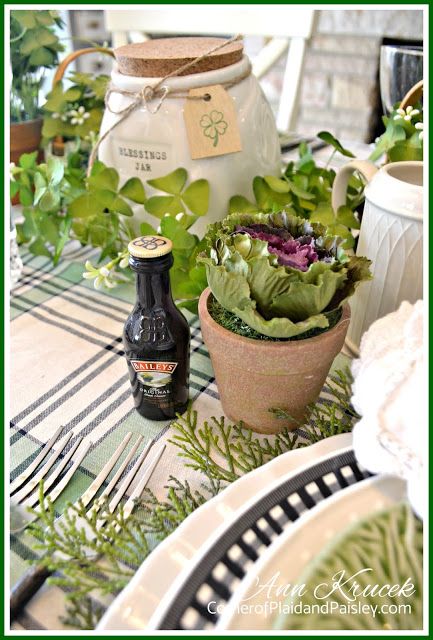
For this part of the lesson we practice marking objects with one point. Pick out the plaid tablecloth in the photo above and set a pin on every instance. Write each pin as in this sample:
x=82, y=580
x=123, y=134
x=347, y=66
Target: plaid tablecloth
x=67, y=367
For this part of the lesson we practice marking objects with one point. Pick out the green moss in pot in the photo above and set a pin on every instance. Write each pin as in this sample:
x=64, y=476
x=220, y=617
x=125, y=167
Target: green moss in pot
x=282, y=284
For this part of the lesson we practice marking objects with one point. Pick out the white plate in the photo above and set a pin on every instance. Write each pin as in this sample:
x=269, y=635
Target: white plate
x=287, y=557
x=143, y=602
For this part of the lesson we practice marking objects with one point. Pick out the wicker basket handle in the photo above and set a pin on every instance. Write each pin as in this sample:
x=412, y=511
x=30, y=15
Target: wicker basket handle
x=73, y=56
x=58, y=147
x=413, y=95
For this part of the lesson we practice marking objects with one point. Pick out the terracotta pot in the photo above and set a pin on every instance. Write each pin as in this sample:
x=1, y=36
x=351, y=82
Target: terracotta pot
x=254, y=376
x=25, y=137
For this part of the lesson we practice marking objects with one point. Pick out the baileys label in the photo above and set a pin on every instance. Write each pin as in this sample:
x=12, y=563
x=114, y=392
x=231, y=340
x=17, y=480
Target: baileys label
x=155, y=377
x=162, y=367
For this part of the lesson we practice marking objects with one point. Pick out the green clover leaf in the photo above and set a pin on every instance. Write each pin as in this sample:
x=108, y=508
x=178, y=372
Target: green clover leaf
x=213, y=125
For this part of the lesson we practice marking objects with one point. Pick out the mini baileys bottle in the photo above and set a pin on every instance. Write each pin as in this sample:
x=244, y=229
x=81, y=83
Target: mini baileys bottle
x=156, y=336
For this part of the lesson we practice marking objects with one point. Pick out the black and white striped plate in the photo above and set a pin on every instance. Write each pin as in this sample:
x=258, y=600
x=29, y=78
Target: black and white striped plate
x=217, y=574
x=215, y=546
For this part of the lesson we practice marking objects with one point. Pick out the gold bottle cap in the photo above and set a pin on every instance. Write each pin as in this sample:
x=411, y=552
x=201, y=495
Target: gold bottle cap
x=150, y=247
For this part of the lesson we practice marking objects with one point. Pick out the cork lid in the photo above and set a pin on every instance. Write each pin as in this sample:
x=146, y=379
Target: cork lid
x=150, y=247
x=156, y=58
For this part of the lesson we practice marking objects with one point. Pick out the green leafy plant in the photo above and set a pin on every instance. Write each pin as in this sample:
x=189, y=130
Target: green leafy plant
x=304, y=188
x=34, y=47
x=75, y=111
x=61, y=203
x=177, y=212
x=403, y=136
x=280, y=274
x=187, y=203
x=219, y=451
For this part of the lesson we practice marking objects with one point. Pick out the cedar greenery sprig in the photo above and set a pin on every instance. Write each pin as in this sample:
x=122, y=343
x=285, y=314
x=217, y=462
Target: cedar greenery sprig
x=224, y=452
x=162, y=517
x=120, y=547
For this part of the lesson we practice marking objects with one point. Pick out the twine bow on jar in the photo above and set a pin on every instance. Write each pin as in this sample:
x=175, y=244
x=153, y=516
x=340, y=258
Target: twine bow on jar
x=152, y=96
x=143, y=97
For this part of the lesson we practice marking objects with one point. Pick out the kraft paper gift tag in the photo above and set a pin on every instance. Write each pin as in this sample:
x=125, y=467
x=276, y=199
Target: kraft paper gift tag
x=211, y=125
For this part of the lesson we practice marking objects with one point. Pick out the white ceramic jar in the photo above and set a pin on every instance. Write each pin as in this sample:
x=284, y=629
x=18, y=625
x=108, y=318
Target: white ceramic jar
x=150, y=145
x=391, y=237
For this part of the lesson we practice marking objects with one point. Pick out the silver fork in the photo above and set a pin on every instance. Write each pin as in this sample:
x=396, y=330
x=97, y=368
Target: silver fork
x=28, y=494
x=34, y=578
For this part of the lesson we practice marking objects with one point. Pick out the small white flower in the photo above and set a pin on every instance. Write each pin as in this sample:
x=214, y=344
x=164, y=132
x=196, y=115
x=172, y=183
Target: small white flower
x=78, y=116
x=124, y=262
x=179, y=216
x=109, y=283
x=55, y=116
x=104, y=271
x=406, y=114
x=420, y=127
x=91, y=271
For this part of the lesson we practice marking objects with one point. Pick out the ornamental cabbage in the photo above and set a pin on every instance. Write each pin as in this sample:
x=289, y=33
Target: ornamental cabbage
x=282, y=275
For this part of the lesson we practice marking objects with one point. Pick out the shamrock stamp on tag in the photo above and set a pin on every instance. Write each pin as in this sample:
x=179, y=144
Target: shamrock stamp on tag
x=211, y=123
x=214, y=125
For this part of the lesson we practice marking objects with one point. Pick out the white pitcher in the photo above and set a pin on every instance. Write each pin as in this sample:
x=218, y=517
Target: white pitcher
x=391, y=236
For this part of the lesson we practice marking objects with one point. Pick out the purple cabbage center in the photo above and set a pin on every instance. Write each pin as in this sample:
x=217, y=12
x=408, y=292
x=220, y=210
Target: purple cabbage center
x=297, y=253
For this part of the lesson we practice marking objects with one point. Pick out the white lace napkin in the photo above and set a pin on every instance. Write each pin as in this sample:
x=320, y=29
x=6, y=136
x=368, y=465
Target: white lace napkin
x=390, y=393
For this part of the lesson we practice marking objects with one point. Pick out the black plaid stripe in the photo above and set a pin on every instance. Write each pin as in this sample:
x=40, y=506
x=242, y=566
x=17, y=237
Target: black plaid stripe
x=72, y=287
x=97, y=306
x=52, y=312
x=86, y=411
x=69, y=378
